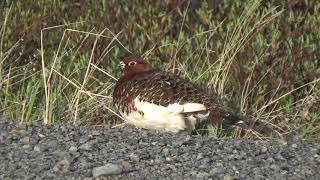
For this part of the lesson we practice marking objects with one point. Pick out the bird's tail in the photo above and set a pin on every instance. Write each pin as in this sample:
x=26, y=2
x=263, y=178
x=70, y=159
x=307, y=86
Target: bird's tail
x=221, y=116
x=218, y=115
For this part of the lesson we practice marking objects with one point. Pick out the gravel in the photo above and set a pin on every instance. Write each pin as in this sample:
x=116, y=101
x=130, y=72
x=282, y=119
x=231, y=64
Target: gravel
x=69, y=152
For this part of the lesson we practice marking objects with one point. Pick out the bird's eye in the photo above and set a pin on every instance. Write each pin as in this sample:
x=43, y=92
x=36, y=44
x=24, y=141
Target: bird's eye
x=132, y=63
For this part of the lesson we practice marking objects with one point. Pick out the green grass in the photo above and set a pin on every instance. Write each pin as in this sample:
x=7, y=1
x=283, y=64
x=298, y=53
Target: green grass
x=56, y=58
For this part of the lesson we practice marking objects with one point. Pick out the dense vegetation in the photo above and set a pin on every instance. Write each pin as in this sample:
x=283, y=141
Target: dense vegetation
x=263, y=56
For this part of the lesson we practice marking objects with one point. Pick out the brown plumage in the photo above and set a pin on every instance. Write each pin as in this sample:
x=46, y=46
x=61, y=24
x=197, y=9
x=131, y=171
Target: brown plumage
x=156, y=99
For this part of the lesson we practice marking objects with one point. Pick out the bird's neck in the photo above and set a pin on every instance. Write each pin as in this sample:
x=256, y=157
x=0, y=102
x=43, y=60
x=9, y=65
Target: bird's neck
x=131, y=74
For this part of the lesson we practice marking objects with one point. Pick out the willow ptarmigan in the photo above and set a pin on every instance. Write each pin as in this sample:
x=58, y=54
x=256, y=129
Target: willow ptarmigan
x=154, y=99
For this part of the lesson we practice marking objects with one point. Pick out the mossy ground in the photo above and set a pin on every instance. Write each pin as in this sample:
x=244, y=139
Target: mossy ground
x=264, y=57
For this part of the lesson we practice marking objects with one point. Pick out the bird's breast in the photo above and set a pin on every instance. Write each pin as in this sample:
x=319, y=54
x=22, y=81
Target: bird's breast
x=172, y=118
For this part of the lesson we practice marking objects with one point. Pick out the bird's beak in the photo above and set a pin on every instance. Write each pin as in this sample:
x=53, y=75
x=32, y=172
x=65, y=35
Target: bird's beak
x=121, y=65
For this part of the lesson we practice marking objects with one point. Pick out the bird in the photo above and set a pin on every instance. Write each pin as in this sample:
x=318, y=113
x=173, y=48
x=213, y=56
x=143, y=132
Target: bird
x=150, y=98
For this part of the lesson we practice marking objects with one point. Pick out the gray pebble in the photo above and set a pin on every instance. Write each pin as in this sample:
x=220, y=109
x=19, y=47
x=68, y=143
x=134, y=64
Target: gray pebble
x=36, y=149
x=25, y=140
x=227, y=177
x=73, y=149
x=294, y=146
x=41, y=135
x=203, y=175
x=87, y=146
x=264, y=149
x=106, y=170
x=26, y=146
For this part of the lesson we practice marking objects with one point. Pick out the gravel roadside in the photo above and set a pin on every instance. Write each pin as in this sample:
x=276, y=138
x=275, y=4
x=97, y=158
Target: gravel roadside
x=68, y=152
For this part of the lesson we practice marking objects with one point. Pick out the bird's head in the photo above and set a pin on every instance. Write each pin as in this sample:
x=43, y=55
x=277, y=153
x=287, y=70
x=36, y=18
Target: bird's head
x=134, y=65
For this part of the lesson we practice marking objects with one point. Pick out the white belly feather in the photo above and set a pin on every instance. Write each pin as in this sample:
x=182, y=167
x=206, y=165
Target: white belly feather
x=167, y=118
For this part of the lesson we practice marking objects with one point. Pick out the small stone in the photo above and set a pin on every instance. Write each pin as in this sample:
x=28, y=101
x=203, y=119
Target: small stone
x=126, y=165
x=64, y=162
x=1, y=139
x=270, y=160
x=165, y=151
x=227, y=177
x=25, y=140
x=219, y=165
x=214, y=171
x=26, y=146
x=55, y=169
x=87, y=178
x=202, y=175
x=36, y=149
x=294, y=146
x=283, y=142
x=83, y=140
x=193, y=173
x=280, y=157
x=231, y=157
x=41, y=135
x=95, y=133
x=199, y=156
x=73, y=149
x=87, y=146
x=264, y=149
x=106, y=170
x=154, y=143
x=134, y=157
x=62, y=165
x=274, y=167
